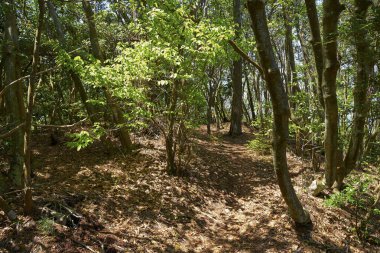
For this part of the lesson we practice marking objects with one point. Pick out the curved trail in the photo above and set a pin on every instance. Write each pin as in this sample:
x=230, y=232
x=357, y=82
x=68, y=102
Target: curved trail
x=227, y=201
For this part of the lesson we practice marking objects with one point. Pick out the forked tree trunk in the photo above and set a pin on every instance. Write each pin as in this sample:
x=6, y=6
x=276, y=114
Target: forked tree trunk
x=237, y=75
x=28, y=200
x=281, y=111
x=361, y=105
x=331, y=12
x=117, y=113
x=14, y=101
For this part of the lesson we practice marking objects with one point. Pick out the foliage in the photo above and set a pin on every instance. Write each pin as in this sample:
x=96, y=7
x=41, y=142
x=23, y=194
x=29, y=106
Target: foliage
x=85, y=138
x=352, y=194
x=46, y=226
x=261, y=143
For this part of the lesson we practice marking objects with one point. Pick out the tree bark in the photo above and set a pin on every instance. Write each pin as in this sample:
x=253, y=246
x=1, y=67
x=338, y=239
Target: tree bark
x=171, y=167
x=331, y=12
x=316, y=43
x=361, y=105
x=15, y=108
x=28, y=200
x=237, y=75
x=281, y=111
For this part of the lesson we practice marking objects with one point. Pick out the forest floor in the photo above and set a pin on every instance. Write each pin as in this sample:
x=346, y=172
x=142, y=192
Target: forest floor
x=227, y=201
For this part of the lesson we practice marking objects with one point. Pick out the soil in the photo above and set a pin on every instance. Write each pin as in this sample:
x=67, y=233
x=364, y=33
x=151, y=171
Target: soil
x=227, y=200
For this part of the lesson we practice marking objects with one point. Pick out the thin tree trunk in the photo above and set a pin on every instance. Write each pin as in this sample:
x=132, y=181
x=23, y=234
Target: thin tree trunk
x=169, y=140
x=117, y=113
x=250, y=97
x=281, y=111
x=237, y=75
x=15, y=108
x=2, y=104
x=331, y=12
x=309, y=76
x=222, y=109
x=361, y=105
x=292, y=75
x=28, y=200
x=74, y=76
x=316, y=42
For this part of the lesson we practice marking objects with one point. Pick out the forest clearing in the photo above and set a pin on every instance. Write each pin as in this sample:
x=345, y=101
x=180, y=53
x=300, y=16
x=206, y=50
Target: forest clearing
x=189, y=126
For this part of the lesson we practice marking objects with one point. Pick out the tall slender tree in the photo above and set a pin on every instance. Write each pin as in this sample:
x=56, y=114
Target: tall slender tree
x=316, y=42
x=331, y=13
x=281, y=111
x=361, y=105
x=28, y=201
x=237, y=75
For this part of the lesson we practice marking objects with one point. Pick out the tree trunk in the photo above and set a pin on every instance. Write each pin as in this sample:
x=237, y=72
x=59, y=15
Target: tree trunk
x=237, y=75
x=74, y=76
x=15, y=108
x=281, y=111
x=316, y=42
x=361, y=105
x=28, y=201
x=331, y=12
x=117, y=113
x=222, y=110
x=2, y=104
x=169, y=140
x=210, y=103
x=250, y=97
x=292, y=75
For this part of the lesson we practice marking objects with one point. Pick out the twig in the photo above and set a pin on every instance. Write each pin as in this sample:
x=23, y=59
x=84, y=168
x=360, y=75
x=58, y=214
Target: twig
x=7, y=193
x=84, y=246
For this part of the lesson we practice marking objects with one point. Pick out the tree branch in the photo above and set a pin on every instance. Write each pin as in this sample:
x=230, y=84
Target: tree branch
x=22, y=78
x=63, y=126
x=245, y=56
x=10, y=132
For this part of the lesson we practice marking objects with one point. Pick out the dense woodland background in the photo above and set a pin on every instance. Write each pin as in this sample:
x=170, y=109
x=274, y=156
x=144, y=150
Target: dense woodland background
x=189, y=126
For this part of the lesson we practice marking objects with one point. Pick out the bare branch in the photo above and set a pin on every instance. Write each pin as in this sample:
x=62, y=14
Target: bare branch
x=63, y=126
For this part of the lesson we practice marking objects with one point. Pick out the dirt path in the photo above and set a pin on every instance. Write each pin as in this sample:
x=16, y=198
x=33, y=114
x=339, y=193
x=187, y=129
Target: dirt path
x=227, y=202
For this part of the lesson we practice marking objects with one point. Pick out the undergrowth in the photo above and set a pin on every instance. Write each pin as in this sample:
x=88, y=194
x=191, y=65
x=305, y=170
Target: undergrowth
x=260, y=144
